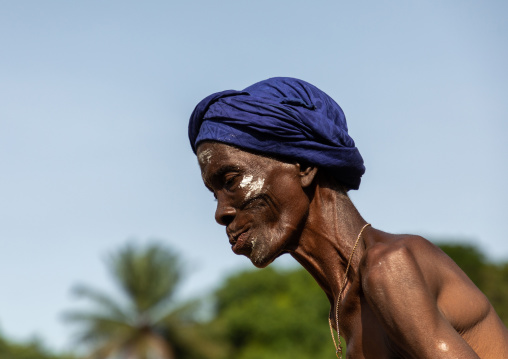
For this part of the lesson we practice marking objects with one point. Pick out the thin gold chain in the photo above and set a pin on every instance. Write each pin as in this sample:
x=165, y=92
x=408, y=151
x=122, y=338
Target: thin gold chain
x=338, y=348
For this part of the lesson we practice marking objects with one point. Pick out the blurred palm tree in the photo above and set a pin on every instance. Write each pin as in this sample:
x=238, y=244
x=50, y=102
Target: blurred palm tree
x=146, y=324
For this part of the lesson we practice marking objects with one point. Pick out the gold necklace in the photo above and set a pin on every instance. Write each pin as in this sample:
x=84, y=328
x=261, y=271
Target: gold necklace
x=338, y=348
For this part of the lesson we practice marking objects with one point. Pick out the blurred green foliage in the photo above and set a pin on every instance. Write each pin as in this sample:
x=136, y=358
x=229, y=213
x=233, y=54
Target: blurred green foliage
x=31, y=350
x=145, y=321
x=272, y=313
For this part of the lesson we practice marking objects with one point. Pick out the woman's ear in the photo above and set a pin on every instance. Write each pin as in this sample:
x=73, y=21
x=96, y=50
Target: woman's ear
x=307, y=175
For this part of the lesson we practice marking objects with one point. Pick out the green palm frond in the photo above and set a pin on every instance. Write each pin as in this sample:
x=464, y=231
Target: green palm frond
x=185, y=312
x=97, y=328
x=148, y=325
x=102, y=301
x=148, y=277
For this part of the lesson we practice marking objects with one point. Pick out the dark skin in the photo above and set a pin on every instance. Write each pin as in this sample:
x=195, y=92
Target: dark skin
x=404, y=297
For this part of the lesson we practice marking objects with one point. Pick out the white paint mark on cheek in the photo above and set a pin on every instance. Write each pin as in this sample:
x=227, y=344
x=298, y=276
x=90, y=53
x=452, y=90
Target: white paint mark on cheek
x=246, y=180
x=255, y=187
x=205, y=156
x=443, y=346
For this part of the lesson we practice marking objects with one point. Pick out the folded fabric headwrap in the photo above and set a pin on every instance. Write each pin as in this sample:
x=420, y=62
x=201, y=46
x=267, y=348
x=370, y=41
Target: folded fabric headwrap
x=281, y=117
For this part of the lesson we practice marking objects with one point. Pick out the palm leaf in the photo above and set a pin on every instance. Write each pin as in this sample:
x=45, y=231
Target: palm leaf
x=147, y=277
x=148, y=326
x=103, y=302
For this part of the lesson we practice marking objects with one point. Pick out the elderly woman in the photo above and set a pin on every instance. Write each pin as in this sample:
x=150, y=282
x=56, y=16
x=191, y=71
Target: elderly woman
x=278, y=158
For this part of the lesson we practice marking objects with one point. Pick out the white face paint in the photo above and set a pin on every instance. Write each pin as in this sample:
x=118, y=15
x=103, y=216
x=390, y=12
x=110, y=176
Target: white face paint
x=205, y=156
x=247, y=180
x=253, y=186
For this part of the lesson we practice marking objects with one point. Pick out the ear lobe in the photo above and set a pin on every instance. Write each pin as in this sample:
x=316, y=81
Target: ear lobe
x=307, y=175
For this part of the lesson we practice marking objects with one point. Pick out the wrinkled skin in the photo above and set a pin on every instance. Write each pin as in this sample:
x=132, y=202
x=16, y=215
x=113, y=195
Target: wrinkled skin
x=262, y=219
x=404, y=297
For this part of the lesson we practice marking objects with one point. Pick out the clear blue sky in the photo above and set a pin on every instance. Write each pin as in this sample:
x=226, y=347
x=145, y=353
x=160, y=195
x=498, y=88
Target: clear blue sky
x=95, y=98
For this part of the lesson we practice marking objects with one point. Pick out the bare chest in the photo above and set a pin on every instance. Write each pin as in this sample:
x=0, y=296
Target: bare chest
x=365, y=336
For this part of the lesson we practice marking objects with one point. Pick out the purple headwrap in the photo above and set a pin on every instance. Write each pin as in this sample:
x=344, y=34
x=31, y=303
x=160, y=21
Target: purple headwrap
x=281, y=117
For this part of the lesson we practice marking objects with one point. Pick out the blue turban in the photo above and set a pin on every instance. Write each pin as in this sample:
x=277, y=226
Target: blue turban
x=281, y=117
